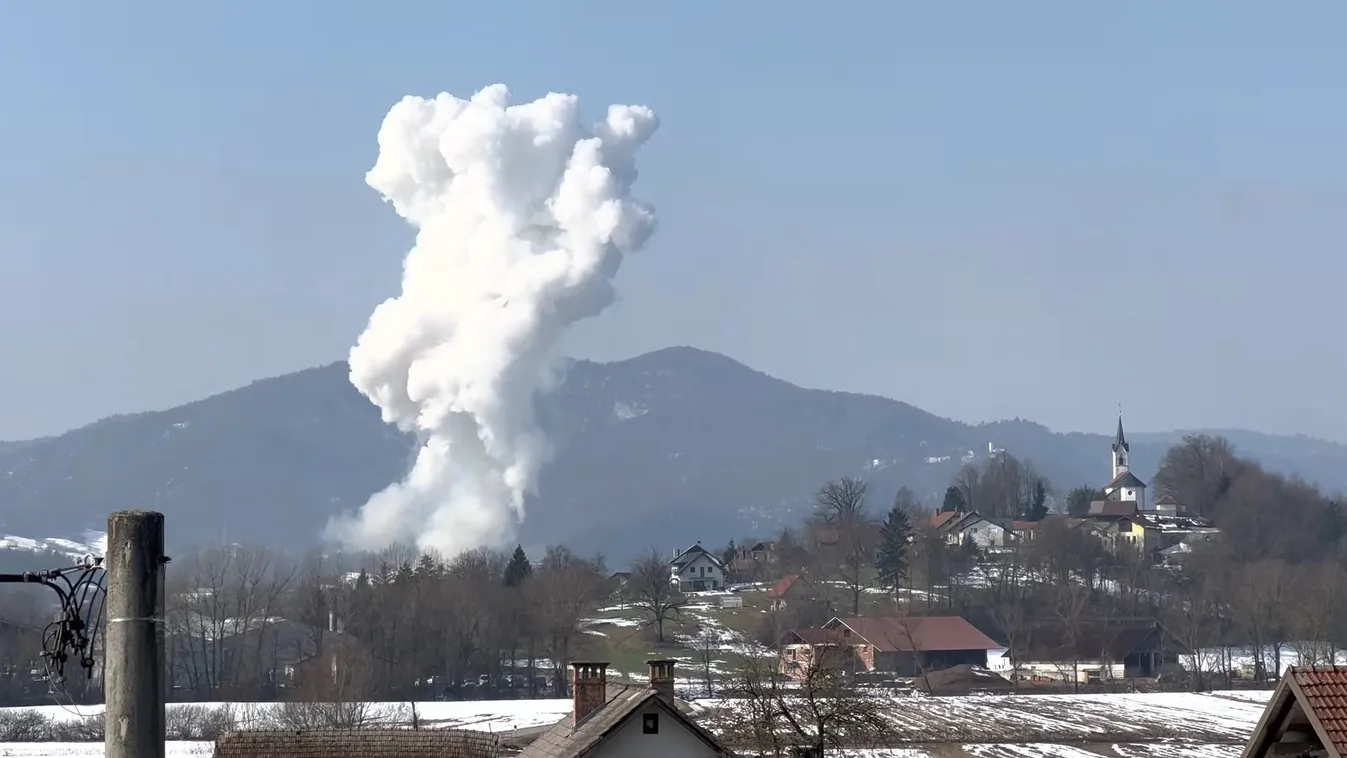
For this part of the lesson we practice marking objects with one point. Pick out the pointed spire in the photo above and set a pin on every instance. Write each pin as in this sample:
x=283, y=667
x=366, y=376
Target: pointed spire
x=1120, y=439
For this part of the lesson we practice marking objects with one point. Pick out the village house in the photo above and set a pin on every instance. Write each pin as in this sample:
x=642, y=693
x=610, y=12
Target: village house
x=898, y=646
x=791, y=588
x=697, y=570
x=608, y=721
x=752, y=558
x=1097, y=651
x=1304, y=717
x=961, y=526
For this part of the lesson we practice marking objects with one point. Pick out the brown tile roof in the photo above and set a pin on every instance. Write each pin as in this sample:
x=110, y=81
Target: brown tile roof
x=1325, y=697
x=930, y=634
x=940, y=519
x=1321, y=693
x=564, y=740
x=783, y=586
x=358, y=743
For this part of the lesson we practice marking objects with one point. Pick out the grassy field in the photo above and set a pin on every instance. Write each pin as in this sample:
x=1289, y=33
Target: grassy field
x=624, y=635
x=701, y=631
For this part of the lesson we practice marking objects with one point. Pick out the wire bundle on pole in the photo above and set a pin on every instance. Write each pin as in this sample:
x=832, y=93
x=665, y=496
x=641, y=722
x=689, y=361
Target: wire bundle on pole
x=75, y=631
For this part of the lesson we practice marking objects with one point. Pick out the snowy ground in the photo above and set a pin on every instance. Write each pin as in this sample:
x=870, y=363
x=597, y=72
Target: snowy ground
x=1162, y=725
x=480, y=715
x=92, y=750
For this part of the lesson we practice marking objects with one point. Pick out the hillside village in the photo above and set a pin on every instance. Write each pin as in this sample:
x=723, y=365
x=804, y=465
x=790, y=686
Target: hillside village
x=1216, y=574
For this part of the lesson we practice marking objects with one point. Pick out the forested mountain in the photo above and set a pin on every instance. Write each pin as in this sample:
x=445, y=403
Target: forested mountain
x=664, y=448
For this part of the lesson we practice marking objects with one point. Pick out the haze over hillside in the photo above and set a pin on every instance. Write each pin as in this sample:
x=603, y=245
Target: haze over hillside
x=665, y=448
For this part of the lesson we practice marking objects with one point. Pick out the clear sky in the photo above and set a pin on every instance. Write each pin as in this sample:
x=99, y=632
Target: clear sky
x=985, y=209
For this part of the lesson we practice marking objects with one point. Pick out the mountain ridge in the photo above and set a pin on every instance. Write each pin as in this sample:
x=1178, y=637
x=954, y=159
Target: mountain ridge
x=666, y=447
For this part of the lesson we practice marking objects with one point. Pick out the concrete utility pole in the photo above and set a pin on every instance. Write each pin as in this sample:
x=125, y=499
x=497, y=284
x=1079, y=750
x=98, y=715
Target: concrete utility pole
x=133, y=686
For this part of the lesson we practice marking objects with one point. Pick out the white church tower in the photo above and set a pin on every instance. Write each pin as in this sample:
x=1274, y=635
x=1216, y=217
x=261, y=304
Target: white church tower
x=1124, y=486
x=1120, y=451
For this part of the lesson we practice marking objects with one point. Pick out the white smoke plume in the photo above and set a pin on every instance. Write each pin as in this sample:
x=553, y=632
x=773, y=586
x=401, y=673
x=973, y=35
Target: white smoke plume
x=522, y=216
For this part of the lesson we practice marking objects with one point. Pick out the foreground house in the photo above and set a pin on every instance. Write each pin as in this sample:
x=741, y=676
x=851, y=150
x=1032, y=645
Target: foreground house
x=1305, y=717
x=696, y=570
x=898, y=646
x=612, y=721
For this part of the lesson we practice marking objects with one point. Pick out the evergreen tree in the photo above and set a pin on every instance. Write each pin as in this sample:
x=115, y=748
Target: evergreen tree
x=426, y=566
x=895, y=538
x=1332, y=525
x=727, y=557
x=953, y=500
x=1038, y=504
x=518, y=569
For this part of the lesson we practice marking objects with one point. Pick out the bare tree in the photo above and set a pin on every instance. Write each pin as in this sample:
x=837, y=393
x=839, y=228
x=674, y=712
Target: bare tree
x=1069, y=603
x=563, y=589
x=652, y=591
x=841, y=512
x=1009, y=606
x=1197, y=472
x=705, y=643
x=824, y=710
x=334, y=691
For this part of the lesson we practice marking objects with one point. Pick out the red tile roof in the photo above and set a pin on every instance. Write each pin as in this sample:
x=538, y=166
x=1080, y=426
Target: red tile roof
x=1325, y=691
x=932, y=634
x=940, y=519
x=783, y=586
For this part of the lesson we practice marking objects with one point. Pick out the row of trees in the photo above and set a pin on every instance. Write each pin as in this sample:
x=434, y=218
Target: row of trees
x=248, y=623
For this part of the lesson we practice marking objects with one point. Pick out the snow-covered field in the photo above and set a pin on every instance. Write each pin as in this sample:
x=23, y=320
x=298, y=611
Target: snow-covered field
x=1162, y=725
x=92, y=750
x=1188, y=717
x=480, y=715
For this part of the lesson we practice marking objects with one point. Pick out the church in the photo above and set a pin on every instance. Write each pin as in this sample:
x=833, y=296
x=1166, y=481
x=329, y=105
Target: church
x=1126, y=487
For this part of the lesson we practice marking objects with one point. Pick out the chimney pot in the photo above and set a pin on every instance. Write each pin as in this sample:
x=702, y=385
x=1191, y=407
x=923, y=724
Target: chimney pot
x=662, y=678
x=589, y=688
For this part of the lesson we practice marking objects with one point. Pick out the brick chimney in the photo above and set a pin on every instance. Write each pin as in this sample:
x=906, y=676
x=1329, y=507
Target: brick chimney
x=589, y=687
x=662, y=678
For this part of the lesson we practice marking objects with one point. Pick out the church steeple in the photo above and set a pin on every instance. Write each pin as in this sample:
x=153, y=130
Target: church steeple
x=1120, y=449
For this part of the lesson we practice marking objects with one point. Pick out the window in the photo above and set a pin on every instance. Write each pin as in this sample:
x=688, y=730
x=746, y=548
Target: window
x=650, y=723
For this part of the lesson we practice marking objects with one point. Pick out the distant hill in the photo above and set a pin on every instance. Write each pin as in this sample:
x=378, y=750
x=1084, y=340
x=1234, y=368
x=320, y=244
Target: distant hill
x=665, y=448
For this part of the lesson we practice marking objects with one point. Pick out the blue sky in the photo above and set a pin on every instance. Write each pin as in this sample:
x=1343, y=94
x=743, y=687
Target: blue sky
x=988, y=210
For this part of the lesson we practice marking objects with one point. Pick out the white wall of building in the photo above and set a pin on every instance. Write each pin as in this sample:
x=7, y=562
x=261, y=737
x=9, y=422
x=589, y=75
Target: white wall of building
x=673, y=741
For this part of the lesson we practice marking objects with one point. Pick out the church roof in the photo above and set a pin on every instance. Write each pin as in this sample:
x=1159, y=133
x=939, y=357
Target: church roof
x=1125, y=479
x=1120, y=439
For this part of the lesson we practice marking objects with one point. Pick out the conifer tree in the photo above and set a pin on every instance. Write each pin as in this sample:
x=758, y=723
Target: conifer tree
x=518, y=569
x=895, y=538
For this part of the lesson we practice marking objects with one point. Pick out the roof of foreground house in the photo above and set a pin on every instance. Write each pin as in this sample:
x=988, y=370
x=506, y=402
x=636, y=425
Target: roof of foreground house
x=1311, y=702
x=358, y=743
x=567, y=740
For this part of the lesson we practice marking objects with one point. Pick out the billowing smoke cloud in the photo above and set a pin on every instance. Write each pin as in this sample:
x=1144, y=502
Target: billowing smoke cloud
x=522, y=216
